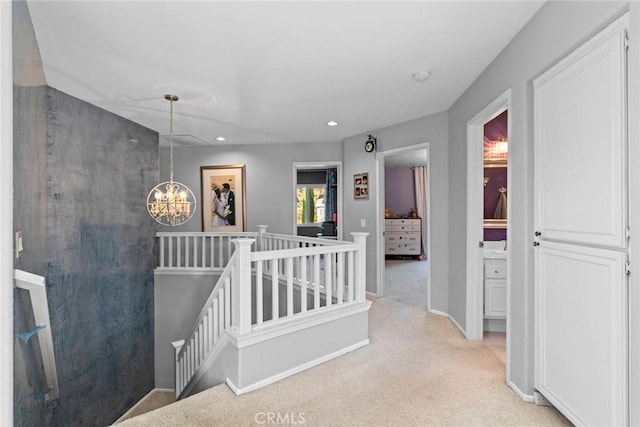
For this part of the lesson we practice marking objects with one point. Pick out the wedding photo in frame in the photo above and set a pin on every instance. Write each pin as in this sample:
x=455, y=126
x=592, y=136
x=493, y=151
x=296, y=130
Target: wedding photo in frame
x=361, y=186
x=223, y=198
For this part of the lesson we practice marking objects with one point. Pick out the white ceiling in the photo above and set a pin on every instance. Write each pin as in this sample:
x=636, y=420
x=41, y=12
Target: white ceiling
x=267, y=71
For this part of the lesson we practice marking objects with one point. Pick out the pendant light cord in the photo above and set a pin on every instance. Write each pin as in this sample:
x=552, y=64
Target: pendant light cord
x=171, y=142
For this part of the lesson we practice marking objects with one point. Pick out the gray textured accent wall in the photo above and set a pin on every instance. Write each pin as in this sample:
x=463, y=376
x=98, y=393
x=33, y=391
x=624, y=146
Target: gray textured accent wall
x=89, y=234
x=81, y=177
x=94, y=242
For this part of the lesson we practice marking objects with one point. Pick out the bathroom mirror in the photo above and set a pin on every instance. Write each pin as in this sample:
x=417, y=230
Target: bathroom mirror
x=495, y=194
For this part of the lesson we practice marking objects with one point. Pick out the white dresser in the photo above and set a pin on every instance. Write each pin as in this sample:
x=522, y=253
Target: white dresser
x=402, y=236
x=495, y=287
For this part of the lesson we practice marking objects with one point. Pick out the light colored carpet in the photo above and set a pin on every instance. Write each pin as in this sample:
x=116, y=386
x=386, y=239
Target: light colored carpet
x=418, y=371
x=406, y=281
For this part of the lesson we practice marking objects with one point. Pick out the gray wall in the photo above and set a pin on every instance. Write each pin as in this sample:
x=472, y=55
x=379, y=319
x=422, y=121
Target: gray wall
x=269, y=177
x=432, y=129
x=557, y=29
x=80, y=187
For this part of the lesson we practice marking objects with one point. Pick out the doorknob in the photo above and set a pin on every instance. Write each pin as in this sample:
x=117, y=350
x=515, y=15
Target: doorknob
x=537, y=233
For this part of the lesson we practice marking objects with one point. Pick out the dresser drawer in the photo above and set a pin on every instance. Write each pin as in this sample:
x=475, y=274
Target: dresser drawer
x=403, y=227
x=402, y=249
x=495, y=268
x=402, y=237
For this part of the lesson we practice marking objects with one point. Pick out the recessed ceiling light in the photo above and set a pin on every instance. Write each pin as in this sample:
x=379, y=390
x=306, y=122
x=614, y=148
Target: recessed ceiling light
x=221, y=138
x=332, y=123
x=421, y=76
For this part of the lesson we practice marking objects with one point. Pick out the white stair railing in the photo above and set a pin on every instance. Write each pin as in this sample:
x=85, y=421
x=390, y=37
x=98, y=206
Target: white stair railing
x=196, y=250
x=213, y=321
x=317, y=275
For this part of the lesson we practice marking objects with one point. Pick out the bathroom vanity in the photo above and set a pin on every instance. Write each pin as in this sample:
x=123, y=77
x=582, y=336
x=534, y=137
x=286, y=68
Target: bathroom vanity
x=495, y=280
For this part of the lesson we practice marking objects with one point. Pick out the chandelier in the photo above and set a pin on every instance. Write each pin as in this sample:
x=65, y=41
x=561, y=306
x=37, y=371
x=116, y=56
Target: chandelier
x=171, y=203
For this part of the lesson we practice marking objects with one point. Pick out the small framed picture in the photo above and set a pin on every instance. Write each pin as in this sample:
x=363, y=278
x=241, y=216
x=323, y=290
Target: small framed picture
x=361, y=186
x=223, y=198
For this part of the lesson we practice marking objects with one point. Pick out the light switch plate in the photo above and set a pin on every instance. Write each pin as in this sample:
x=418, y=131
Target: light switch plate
x=363, y=223
x=19, y=244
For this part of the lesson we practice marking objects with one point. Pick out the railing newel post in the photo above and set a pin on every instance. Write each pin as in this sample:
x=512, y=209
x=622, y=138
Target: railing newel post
x=360, y=239
x=177, y=346
x=241, y=287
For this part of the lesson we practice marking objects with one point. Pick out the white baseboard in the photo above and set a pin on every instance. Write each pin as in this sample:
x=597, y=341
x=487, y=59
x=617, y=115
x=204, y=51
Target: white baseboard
x=140, y=402
x=267, y=381
x=526, y=397
x=442, y=313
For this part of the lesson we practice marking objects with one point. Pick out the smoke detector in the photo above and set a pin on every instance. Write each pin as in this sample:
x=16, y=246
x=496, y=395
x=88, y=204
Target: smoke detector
x=421, y=76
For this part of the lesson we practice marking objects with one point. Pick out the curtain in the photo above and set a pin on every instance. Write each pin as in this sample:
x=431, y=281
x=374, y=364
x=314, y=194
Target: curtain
x=420, y=181
x=331, y=195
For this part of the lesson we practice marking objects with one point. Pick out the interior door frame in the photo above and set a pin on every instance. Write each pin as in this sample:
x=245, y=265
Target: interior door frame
x=380, y=197
x=319, y=165
x=475, y=216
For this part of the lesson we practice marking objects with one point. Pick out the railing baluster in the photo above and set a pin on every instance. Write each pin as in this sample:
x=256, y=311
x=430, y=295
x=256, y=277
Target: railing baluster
x=201, y=352
x=227, y=303
x=216, y=316
x=206, y=333
x=221, y=313
x=203, y=256
x=162, y=254
x=316, y=282
x=350, y=282
x=303, y=284
x=289, y=275
x=179, y=251
x=220, y=252
x=275, y=285
x=171, y=251
x=259, y=301
x=328, y=280
x=340, y=289
x=187, y=259
x=195, y=251
x=196, y=349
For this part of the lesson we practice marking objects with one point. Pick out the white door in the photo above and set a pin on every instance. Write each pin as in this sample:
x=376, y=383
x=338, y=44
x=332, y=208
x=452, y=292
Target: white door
x=581, y=199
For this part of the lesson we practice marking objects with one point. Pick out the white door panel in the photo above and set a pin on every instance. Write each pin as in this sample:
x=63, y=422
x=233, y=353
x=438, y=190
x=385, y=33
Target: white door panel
x=580, y=147
x=581, y=214
x=581, y=332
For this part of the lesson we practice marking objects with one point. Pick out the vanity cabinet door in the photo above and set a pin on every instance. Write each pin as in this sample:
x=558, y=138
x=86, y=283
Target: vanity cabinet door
x=495, y=298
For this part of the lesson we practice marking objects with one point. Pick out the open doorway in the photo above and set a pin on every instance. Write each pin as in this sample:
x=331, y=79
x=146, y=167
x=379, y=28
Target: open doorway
x=317, y=199
x=403, y=225
x=488, y=208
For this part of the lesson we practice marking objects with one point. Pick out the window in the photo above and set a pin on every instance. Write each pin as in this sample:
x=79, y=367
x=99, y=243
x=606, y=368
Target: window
x=310, y=204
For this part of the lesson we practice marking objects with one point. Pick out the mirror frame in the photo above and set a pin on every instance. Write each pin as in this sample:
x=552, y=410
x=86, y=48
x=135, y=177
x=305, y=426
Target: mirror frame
x=490, y=222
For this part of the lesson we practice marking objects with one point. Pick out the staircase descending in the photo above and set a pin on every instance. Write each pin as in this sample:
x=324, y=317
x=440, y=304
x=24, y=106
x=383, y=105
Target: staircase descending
x=280, y=304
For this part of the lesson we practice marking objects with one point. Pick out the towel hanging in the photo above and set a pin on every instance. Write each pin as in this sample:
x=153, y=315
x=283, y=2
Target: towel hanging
x=501, y=207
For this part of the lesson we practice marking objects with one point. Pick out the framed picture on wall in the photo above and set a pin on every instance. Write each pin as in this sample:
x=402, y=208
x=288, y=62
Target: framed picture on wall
x=361, y=185
x=223, y=198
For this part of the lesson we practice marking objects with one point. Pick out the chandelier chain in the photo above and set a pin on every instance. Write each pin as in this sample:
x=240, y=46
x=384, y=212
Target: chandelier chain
x=171, y=141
